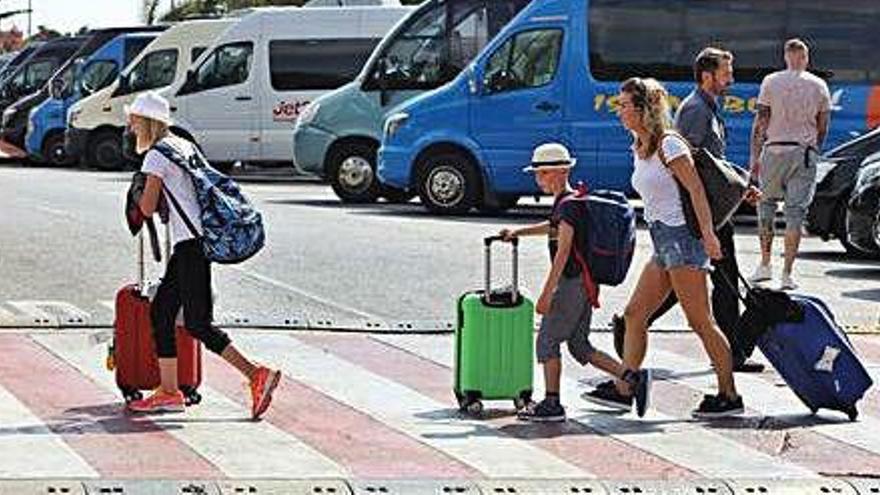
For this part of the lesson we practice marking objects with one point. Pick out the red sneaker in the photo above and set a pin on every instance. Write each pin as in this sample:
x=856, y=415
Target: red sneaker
x=160, y=401
x=263, y=383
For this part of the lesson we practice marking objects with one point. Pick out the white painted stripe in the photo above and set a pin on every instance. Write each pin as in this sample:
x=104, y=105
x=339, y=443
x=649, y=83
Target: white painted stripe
x=680, y=441
x=28, y=449
x=296, y=290
x=109, y=304
x=56, y=212
x=31, y=309
x=771, y=400
x=7, y=317
x=488, y=450
x=217, y=428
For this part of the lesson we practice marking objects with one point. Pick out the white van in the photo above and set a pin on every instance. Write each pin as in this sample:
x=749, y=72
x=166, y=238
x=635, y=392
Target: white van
x=94, y=124
x=240, y=100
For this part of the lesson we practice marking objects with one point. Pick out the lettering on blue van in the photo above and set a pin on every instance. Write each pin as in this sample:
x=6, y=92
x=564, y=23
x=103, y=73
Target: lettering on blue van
x=286, y=111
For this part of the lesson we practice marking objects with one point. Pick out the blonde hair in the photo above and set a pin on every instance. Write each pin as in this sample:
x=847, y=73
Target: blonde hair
x=652, y=101
x=154, y=129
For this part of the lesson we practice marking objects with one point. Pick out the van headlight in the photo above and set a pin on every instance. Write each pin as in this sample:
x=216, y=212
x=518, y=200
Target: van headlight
x=823, y=168
x=394, y=123
x=308, y=114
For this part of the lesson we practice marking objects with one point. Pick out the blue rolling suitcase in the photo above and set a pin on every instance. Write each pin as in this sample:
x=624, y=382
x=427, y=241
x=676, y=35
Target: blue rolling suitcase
x=816, y=359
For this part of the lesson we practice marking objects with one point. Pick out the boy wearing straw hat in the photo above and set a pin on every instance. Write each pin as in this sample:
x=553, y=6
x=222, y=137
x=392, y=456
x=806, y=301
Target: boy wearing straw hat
x=565, y=304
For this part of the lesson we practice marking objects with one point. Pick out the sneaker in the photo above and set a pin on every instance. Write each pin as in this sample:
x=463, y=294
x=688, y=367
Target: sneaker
x=787, y=282
x=606, y=394
x=159, y=402
x=640, y=381
x=263, y=383
x=763, y=273
x=543, y=412
x=718, y=406
x=618, y=327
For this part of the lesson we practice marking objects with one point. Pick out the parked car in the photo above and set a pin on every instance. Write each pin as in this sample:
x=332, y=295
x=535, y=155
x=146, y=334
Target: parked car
x=18, y=59
x=47, y=121
x=95, y=123
x=14, y=124
x=239, y=102
x=836, y=177
x=554, y=72
x=338, y=134
x=863, y=212
x=34, y=72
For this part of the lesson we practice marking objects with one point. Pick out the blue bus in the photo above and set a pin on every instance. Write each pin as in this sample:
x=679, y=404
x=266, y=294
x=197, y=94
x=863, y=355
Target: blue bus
x=44, y=140
x=553, y=74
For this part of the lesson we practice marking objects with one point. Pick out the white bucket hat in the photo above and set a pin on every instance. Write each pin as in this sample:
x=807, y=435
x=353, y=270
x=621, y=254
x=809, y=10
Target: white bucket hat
x=550, y=156
x=151, y=105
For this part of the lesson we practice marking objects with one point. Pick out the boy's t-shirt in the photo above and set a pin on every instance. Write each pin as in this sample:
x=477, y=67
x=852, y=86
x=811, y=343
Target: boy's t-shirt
x=573, y=213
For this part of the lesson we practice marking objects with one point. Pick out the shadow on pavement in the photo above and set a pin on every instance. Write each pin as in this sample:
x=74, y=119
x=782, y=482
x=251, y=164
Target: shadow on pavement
x=773, y=423
x=865, y=295
x=99, y=419
x=839, y=257
x=856, y=273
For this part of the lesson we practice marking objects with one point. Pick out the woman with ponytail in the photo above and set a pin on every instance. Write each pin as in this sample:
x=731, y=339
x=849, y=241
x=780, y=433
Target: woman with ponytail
x=662, y=161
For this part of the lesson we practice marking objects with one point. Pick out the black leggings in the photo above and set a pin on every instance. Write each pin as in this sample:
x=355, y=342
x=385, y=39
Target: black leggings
x=187, y=283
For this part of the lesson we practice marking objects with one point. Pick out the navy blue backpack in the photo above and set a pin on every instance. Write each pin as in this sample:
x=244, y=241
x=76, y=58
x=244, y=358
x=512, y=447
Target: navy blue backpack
x=610, y=237
x=232, y=227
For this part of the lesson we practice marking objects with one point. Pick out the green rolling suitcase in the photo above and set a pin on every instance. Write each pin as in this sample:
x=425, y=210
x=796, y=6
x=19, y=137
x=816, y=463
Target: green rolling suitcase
x=494, y=342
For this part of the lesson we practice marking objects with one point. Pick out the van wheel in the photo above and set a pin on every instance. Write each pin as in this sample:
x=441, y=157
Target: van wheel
x=107, y=151
x=352, y=173
x=54, y=152
x=448, y=183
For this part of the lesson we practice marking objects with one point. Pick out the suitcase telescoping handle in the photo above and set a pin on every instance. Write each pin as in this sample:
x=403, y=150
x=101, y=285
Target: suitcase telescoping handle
x=514, y=242
x=141, y=264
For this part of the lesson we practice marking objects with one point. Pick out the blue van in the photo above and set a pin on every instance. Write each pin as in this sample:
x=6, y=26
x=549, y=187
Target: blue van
x=44, y=140
x=338, y=134
x=553, y=74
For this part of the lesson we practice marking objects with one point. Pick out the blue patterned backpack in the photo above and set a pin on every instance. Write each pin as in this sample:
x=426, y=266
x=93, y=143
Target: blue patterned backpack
x=232, y=227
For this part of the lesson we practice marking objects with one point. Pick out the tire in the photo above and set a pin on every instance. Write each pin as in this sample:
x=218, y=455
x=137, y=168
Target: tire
x=54, y=152
x=395, y=195
x=448, y=183
x=106, y=151
x=351, y=170
x=842, y=234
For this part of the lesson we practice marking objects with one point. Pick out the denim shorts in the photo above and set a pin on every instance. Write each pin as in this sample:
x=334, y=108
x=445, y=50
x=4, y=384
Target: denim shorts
x=676, y=247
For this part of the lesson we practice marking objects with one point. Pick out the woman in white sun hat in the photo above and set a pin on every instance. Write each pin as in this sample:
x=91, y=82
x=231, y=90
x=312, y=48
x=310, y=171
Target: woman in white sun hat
x=187, y=279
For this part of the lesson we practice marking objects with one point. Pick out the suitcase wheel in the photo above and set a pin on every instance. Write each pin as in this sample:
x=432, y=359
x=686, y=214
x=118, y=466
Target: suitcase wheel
x=853, y=413
x=523, y=400
x=131, y=395
x=475, y=408
x=191, y=395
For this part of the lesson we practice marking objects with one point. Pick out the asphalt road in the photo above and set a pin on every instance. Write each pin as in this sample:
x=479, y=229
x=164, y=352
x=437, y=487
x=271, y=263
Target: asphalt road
x=63, y=239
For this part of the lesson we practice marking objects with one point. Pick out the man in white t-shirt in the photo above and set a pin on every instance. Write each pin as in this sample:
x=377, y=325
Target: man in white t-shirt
x=794, y=109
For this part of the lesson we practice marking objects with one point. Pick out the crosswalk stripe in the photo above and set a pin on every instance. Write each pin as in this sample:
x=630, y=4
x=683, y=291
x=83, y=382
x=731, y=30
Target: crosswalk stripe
x=30, y=449
x=492, y=453
x=681, y=442
x=566, y=440
x=233, y=451
x=54, y=312
x=365, y=446
x=771, y=400
x=89, y=419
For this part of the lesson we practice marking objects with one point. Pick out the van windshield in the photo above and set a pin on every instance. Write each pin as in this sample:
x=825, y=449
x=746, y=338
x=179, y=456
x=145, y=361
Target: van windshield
x=156, y=70
x=435, y=45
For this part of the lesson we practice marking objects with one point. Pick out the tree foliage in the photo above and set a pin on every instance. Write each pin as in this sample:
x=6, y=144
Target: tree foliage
x=200, y=8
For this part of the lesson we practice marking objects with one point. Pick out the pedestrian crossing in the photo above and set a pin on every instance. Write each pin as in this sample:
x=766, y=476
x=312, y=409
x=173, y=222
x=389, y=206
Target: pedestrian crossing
x=380, y=406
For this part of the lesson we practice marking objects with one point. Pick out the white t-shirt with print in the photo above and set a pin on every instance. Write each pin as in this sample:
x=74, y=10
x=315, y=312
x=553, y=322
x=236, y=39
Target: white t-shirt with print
x=656, y=185
x=180, y=184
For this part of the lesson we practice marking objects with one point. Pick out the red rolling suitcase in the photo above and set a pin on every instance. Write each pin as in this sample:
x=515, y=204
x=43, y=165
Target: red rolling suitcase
x=133, y=351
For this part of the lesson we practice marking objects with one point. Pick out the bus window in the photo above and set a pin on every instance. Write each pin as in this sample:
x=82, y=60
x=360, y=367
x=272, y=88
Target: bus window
x=754, y=30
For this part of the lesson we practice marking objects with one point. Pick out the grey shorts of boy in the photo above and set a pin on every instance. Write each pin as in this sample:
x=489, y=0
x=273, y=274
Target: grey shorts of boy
x=568, y=321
